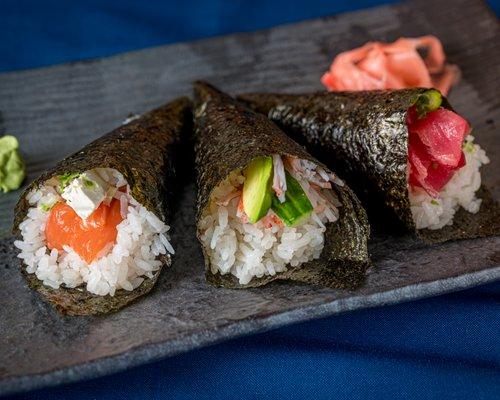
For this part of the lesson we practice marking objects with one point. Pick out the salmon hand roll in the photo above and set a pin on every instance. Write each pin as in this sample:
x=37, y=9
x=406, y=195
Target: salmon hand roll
x=93, y=231
x=267, y=210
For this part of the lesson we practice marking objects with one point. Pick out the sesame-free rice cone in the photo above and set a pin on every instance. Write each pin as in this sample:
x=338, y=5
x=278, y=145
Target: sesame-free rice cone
x=143, y=152
x=228, y=136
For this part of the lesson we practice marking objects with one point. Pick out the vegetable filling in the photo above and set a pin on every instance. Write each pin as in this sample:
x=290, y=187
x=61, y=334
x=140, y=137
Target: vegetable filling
x=282, y=223
x=285, y=201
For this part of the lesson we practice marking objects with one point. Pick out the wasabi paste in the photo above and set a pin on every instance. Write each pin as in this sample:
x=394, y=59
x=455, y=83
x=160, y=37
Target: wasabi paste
x=12, y=168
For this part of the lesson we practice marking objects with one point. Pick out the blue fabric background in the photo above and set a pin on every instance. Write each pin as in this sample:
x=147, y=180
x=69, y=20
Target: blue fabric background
x=446, y=347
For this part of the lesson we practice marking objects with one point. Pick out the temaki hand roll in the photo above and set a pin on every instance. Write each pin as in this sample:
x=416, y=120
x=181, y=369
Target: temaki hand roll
x=406, y=147
x=93, y=231
x=266, y=209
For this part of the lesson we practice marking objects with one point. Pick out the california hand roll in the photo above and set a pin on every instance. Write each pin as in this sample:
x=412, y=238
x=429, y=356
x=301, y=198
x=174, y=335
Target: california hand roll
x=267, y=210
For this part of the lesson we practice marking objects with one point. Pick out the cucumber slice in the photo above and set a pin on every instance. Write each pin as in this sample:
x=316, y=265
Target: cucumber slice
x=296, y=205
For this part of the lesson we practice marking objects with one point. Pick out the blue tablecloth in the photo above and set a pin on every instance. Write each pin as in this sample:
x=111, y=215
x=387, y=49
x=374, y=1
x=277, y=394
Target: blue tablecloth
x=446, y=347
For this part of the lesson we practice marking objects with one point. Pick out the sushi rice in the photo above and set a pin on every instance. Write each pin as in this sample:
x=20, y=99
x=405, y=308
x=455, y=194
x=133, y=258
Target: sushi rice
x=141, y=238
x=267, y=247
x=437, y=212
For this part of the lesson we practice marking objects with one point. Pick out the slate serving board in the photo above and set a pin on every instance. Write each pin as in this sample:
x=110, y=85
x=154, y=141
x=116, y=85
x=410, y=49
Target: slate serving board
x=56, y=110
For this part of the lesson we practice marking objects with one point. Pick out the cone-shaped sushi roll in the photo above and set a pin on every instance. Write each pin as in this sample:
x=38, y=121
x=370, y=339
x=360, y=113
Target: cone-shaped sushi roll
x=405, y=147
x=266, y=209
x=93, y=231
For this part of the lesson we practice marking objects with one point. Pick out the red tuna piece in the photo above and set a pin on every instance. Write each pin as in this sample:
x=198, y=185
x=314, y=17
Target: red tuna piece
x=435, y=148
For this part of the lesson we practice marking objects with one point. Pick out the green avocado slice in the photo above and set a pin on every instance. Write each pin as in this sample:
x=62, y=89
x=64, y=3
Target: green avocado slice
x=296, y=205
x=257, y=191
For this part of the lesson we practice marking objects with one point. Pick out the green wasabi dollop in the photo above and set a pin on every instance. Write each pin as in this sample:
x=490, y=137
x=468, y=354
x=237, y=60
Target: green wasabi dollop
x=428, y=101
x=12, y=168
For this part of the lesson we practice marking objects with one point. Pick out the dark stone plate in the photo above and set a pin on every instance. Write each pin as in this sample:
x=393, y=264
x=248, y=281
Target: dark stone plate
x=56, y=110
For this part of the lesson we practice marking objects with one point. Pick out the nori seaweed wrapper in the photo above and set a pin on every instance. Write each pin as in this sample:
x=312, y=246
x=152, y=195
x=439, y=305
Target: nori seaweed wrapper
x=364, y=135
x=227, y=137
x=143, y=151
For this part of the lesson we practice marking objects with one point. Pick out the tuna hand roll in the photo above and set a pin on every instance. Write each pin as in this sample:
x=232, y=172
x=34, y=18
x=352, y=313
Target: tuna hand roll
x=406, y=147
x=266, y=209
x=93, y=231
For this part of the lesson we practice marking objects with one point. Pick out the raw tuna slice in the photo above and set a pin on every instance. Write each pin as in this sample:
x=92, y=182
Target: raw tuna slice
x=435, y=148
x=442, y=132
